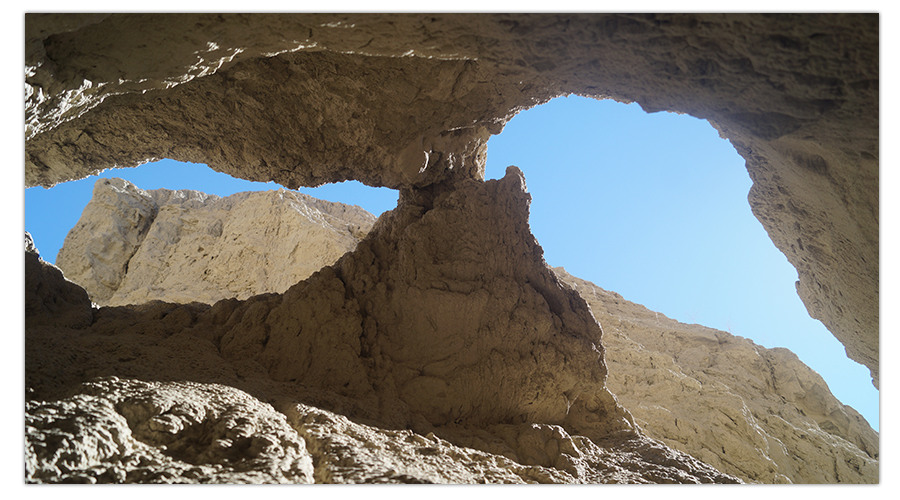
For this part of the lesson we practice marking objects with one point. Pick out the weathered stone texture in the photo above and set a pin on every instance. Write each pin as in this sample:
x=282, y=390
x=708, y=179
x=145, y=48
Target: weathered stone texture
x=132, y=246
x=555, y=421
x=421, y=324
x=410, y=100
x=125, y=431
x=759, y=414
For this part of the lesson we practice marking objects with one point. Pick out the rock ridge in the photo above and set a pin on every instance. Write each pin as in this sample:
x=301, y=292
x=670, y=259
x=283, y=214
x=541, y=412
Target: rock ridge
x=758, y=413
x=371, y=337
x=408, y=101
x=131, y=245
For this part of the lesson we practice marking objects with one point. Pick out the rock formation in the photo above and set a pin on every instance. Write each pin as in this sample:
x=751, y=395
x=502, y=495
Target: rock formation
x=51, y=299
x=132, y=246
x=408, y=102
x=378, y=338
x=758, y=414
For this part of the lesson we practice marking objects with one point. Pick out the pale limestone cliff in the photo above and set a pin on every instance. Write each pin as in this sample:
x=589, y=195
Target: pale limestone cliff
x=759, y=414
x=131, y=246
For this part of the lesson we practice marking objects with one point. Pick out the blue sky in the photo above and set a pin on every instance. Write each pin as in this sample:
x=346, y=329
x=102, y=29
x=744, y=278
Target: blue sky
x=652, y=206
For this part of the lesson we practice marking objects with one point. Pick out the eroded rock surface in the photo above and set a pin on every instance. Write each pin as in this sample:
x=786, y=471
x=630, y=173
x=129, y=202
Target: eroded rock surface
x=759, y=414
x=378, y=337
x=410, y=100
x=127, y=431
x=131, y=246
x=113, y=430
x=447, y=303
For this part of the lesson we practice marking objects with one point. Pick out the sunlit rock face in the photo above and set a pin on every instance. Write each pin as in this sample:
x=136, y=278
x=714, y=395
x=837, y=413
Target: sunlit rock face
x=409, y=102
x=444, y=323
x=760, y=414
x=131, y=246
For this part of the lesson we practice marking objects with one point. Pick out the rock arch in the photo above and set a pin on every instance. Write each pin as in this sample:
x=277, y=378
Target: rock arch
x=409, y=101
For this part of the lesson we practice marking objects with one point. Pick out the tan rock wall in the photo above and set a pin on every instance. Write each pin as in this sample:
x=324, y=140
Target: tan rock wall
x=409, y=101
x=131, y=246
x=759, y=414
x=377, y=338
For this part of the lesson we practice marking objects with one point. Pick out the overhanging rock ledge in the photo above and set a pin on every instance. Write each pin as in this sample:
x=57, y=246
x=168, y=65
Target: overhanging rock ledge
x=409, y=102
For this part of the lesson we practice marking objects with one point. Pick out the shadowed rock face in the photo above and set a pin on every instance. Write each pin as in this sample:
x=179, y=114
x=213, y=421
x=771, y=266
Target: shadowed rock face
x=408, y=102
x=51, y=299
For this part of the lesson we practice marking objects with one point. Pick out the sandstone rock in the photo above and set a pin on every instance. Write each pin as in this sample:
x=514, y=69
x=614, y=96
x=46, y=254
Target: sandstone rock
x=446, y=315
x=757, y=413
x=127, y=431
x=115, y=430
x=356, y=453
x=96, y=252
x=131, y=246
x=386, y=319
x=410, y=100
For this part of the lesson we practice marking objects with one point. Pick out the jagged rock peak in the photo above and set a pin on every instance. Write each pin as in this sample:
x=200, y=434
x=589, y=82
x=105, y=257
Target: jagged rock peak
x=377, y=337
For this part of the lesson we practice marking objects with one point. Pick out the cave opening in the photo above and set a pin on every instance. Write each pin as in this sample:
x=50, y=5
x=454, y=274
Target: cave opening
x=651, y=206
x=654, y=207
